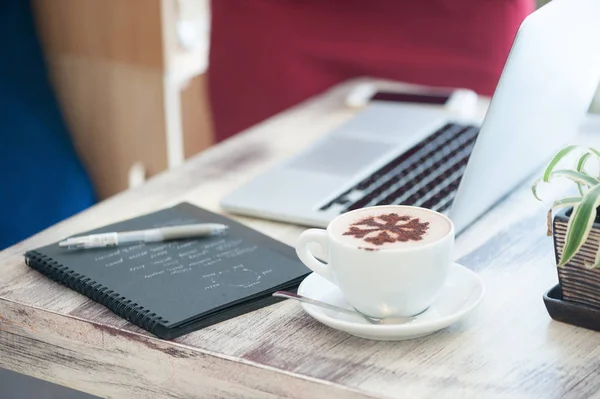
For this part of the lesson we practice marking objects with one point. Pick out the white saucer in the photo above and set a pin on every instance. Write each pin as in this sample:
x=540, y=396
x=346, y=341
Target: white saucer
x=461, y=293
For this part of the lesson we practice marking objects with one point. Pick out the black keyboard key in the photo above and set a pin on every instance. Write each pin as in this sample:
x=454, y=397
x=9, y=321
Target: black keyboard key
x=394, y=196
x=442, y=207
x=341, y=199
x=364, y=201
x=450, y=189
x=368, y=182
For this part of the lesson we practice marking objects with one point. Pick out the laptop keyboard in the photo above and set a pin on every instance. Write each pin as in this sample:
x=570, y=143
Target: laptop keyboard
x=426, y=175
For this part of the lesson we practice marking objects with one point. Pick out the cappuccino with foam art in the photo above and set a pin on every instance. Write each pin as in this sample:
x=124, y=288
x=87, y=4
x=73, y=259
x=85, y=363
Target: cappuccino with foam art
x=390, y=227
x=387, y=260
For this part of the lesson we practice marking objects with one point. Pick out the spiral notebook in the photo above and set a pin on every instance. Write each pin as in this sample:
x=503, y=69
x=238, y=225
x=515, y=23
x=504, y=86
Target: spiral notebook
x=173, y=288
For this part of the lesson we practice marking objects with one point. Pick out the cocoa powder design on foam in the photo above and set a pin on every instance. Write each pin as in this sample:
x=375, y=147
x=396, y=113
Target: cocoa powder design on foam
x=390, y=228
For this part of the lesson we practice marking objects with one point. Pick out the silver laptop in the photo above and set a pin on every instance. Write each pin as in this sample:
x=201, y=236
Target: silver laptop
x=421, y=156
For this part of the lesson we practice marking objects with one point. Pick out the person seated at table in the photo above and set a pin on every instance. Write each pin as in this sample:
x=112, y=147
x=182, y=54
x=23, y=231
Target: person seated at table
x=268, y=55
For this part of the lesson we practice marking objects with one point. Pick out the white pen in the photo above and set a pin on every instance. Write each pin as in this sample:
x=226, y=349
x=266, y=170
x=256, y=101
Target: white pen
x=150, y=235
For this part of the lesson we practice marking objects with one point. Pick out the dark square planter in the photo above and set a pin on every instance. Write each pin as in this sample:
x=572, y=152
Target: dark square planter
x=571, y=312
x=578, y=284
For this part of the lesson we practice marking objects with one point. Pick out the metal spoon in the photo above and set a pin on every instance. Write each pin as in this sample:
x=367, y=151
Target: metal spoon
x=372, y=320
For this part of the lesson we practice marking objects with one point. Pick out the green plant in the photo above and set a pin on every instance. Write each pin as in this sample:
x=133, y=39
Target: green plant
x=584, y=206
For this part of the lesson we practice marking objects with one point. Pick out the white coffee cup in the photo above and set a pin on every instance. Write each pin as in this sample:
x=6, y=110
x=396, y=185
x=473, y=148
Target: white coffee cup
x=390, y=279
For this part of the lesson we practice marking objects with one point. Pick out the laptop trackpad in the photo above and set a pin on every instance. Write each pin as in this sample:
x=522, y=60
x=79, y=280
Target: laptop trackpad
x=340, y=156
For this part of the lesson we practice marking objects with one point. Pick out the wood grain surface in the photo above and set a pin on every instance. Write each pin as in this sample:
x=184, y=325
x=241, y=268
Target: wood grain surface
x=508, y=347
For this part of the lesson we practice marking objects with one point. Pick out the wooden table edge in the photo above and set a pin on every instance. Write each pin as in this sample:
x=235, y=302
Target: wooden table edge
x=19, y=327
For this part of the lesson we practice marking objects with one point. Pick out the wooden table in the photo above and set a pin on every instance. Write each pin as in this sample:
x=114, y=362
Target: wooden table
x=508, y=347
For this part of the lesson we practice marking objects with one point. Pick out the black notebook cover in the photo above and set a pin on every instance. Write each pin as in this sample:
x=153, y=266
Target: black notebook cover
x=173, y=288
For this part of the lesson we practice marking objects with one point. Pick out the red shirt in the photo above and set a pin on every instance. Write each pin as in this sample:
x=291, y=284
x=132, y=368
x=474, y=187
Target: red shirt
x=267, y=55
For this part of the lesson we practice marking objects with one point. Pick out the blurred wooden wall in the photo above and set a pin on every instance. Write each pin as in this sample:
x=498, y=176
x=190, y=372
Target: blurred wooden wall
x=110, y=62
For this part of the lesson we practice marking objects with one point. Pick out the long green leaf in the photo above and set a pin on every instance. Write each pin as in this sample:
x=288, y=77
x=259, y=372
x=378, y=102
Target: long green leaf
x=596, y=152
x=557, y=158
x=569, y=201
x=580, y=224
x=577, y=177
x=562, y=203
x=534, y=189
x=581, y=166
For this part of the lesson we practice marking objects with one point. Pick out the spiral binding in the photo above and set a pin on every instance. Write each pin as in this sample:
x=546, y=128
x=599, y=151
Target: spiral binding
x=117, y=303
